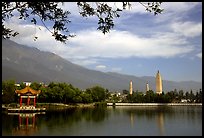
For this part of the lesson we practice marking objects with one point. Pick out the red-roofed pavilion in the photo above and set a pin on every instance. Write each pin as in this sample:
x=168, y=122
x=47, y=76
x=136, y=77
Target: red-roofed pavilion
x=28, y=93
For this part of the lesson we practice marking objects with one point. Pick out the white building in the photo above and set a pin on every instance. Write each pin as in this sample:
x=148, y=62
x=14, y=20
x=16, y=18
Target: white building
x=27, y=83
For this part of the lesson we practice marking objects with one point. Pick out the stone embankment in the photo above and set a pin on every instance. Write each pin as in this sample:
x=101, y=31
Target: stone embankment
x=154, y=104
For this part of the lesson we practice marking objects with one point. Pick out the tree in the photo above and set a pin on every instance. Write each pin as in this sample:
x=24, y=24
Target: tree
x=115, y=98
x=8, y=90
x=35, y=86
x=192, y=96
x=43, y=97
x=68, y=94
x=200, y=96
x=86, y=98
x=150, y=96
x=107, y=94
x=187, y=95
x=125, y=91
x=50, y=12
x=98, y=94
x=22, y=85
x=181, y=94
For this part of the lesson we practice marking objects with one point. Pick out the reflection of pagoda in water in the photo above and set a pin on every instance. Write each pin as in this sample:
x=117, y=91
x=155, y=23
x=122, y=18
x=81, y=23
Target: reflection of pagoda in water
x=160, y=121
x=26, y=124
x=159, y=118
x=132, y=119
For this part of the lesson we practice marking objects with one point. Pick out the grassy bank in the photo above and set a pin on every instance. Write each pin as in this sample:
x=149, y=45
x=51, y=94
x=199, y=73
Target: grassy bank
x=52, y=106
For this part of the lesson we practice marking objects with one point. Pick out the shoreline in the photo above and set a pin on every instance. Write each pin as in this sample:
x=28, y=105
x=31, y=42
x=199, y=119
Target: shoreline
x=64, y=106
x=154, y=104
x=81, y=105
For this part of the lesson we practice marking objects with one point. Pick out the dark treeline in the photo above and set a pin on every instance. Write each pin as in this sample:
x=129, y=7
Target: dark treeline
x=68, y=94
x=169, y=97
x=55, y=93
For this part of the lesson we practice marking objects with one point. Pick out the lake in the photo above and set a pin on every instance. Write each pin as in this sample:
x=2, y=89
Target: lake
x=108, y=121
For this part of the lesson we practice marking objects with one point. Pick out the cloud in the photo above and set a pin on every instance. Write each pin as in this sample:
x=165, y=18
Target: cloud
x=90, y=45
x=116, y=69
x=104, y=68
x=116, y=44
x=135, y=7
x=179, y=7
x=124, y=44
x=188, y=29
x=71, y=7
x=199, y=55
x=83, y=61
x=100, y=67
x=27, y=32
x=175, y=11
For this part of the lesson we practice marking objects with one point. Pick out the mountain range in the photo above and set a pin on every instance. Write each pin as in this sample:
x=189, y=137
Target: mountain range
x=27, y=64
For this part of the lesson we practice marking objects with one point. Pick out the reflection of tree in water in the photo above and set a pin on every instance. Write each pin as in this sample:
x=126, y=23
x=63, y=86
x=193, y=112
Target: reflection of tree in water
x=150, y=113
x=70, y=116
x=60, y=118
x=96, y=114
x=189, y=112
x=8, y=123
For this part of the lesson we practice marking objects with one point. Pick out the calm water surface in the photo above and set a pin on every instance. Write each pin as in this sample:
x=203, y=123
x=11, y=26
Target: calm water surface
x=110, y=121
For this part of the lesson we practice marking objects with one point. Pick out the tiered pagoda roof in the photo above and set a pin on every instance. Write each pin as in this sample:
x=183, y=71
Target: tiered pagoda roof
x=27, y=89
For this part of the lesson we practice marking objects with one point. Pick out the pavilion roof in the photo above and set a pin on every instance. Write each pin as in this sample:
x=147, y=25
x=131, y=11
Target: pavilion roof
x=28, y=89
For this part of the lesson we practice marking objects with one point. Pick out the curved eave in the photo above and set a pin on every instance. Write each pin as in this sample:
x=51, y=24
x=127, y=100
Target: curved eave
x=27, y=89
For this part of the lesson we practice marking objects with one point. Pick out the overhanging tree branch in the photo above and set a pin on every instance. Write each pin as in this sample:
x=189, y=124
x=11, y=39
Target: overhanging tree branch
x=48, y=11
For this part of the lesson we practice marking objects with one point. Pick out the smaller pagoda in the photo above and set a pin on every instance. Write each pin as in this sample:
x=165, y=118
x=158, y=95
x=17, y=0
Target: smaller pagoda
x=27, y=97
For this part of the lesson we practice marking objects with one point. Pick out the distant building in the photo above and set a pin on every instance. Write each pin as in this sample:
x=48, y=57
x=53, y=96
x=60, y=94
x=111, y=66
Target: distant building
x=184, y=101
x=27, y=83
x=131, y=87
x=158, y=83
x=147, y=87
x=17, y=84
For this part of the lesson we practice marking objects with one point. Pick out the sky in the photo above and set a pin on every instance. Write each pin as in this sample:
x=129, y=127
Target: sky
x=140, y=43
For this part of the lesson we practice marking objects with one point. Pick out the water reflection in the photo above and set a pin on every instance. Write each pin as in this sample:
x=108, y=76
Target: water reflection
x=140, y=121
x=150, y=113
x=160, y=121
x=132, y=119
x=26, y=124
x=159, y=114
x=71, y=116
